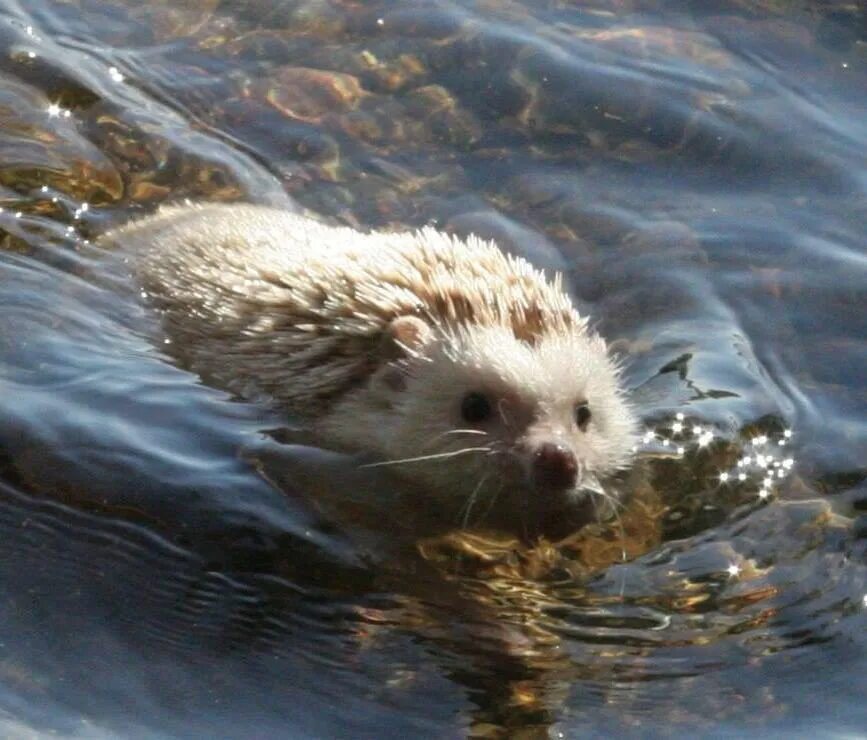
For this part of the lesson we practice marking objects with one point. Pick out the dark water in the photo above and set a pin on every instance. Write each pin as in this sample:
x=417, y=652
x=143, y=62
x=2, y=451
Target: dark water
x=699, y=170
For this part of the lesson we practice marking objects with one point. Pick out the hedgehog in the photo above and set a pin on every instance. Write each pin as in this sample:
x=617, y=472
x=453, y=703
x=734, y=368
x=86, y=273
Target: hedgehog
x=465, y=370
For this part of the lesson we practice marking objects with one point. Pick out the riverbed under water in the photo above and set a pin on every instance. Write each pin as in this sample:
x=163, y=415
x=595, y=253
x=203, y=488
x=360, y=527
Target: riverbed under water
x=171, y=567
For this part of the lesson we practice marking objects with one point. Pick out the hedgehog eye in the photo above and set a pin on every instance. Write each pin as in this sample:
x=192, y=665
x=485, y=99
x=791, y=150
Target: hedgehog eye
x=475, y=407
x=582, y=415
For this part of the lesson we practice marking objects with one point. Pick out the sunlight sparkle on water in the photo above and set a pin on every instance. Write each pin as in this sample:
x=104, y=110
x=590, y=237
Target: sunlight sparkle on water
x=55, y=111
x=705, y=439
x=757, y=470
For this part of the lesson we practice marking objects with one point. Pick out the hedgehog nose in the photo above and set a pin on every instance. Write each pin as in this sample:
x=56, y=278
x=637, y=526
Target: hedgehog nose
x=554, y=467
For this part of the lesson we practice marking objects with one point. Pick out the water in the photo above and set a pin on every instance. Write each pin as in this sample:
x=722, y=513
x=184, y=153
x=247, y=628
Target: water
x=172, y=568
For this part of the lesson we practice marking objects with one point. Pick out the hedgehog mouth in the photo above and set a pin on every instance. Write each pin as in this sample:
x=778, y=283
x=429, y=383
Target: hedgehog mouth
x=527, y=507
x=585, y=489
x=532, y=512
x=558, y=512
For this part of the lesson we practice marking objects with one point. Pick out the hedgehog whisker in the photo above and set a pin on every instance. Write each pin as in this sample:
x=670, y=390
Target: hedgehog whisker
x=497, y=448
x=467, y=508
x=493, y=500
x=615, y=504
x=592, y=486
x=619, y=520
x=480, y=432
x=501, y=408
x=612, y=500
x=595, y=510
x=422, y=458
x=439, y=436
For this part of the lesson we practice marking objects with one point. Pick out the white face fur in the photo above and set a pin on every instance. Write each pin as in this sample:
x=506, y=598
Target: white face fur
x=485, y=408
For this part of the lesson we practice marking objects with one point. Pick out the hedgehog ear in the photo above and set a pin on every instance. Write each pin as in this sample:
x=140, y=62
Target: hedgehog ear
x=404, y=337
x=408, y=334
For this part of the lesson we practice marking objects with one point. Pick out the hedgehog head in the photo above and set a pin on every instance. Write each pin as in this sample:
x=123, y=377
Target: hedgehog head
x=492, y=422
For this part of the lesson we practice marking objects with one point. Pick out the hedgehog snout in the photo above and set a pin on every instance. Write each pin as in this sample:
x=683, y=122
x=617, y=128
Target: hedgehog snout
x=554, y=467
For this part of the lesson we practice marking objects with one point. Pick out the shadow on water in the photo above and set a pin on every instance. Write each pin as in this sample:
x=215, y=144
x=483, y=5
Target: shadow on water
x=172, y=567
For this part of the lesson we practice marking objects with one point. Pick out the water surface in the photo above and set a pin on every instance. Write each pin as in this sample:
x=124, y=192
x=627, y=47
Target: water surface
x=172, y=568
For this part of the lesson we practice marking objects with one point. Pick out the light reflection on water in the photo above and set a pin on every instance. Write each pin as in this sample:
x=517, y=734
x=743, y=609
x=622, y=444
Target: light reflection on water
x=699, y=176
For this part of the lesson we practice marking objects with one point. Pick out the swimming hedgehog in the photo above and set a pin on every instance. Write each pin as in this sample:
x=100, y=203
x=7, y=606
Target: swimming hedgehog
x=462, y=368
